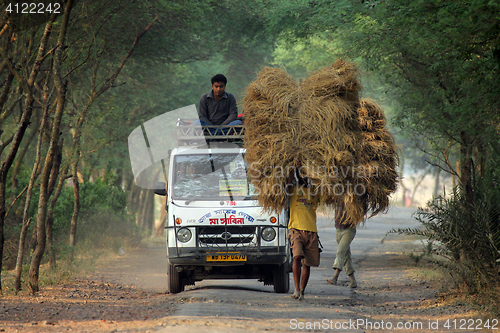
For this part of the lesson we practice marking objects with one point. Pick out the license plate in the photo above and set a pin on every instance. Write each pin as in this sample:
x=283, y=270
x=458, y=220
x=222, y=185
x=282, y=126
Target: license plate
x=227, y=257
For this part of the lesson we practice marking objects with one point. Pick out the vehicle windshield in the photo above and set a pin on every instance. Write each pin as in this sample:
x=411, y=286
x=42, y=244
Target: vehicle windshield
x=210, y=177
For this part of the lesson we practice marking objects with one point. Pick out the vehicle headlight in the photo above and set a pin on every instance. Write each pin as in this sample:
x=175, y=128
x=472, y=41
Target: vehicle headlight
x=184, y=235
x=268, y=234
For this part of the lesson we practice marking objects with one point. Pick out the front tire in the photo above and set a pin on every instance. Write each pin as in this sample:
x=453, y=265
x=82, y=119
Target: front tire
x=174, y=284
x=281, y=279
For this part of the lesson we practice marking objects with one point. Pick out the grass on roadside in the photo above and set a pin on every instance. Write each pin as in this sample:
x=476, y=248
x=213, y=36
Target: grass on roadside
x=70, y=263
x=450, y=289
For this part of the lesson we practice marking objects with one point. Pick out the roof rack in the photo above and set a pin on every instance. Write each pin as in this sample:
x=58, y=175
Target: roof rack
x=194, y=135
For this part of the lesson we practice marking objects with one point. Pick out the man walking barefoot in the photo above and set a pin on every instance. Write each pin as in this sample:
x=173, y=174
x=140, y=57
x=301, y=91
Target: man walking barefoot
x=303, y=233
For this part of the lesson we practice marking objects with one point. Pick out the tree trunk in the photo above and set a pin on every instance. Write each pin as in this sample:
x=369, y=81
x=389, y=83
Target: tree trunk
x=119, y=179
x=403, y=187
x=33, y=242
x=26, y=221
x=49, y=160
x=20, y=157
x=163, y=218
x=50, y=212
x=76, y=208
x=436, y=184
x=149, y=218
x=26, y=86
x=20, y=255
x=134, y=199
x=36, y=259
x=2, y=217
x=416, y=187
x=480, y=157
x=5, y=90
x=50, y=218
x=466, y=166
x=452, y=172
x=18, y=136
x=141, y=211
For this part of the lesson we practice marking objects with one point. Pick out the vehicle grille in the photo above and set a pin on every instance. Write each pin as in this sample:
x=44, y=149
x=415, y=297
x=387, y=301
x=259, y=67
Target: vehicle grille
x=232, y=236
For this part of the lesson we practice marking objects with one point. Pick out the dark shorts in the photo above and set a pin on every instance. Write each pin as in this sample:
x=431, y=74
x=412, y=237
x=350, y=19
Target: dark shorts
x=305, y=244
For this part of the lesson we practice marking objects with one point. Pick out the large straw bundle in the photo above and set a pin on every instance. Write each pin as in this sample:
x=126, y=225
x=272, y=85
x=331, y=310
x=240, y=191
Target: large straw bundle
x=378, y=155
x=318, y=123
x=271, y=110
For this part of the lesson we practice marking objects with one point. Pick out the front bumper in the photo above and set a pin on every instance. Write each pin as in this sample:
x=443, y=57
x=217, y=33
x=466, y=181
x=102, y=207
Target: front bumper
x=197, y=257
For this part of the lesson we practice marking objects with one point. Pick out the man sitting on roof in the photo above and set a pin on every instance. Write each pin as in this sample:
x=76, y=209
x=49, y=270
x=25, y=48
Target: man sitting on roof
x=218, y=107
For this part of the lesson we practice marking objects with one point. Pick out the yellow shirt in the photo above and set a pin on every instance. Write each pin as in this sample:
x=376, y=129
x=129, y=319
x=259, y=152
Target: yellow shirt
x=303, y=209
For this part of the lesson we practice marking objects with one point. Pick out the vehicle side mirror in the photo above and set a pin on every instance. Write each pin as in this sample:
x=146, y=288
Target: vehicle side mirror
x=160, y=188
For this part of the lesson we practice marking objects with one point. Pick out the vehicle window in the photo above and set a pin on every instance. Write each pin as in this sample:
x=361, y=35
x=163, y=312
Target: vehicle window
x=210, y=177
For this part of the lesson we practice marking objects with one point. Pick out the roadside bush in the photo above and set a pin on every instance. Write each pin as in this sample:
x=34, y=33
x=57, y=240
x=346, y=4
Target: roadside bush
x=15, y=201
x=104, y=226
x=466, y=239
x=103, y=221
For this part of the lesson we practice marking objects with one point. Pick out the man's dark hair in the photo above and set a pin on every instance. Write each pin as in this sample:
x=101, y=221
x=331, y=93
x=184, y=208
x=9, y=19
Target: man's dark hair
x=219, y=78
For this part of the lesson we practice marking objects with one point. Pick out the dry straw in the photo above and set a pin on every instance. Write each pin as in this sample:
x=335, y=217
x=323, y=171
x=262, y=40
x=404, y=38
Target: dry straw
x=341, y=142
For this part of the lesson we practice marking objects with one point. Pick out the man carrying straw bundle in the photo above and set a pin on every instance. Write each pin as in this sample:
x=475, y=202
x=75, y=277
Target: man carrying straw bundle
x=348, y=151
x=303, y=234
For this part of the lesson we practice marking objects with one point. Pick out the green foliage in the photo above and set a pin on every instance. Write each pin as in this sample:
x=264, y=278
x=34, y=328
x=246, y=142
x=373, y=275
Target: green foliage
x=439, y=61
x=103, y=215
x=471, y=251
x=170, y=68
x=301, y=57
x=13, y=222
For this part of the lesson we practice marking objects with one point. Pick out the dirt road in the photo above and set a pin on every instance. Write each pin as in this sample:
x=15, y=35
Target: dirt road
x=129, y=295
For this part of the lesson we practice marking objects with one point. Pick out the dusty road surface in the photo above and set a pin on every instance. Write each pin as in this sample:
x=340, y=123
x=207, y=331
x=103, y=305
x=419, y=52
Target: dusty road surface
x=128, y=295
